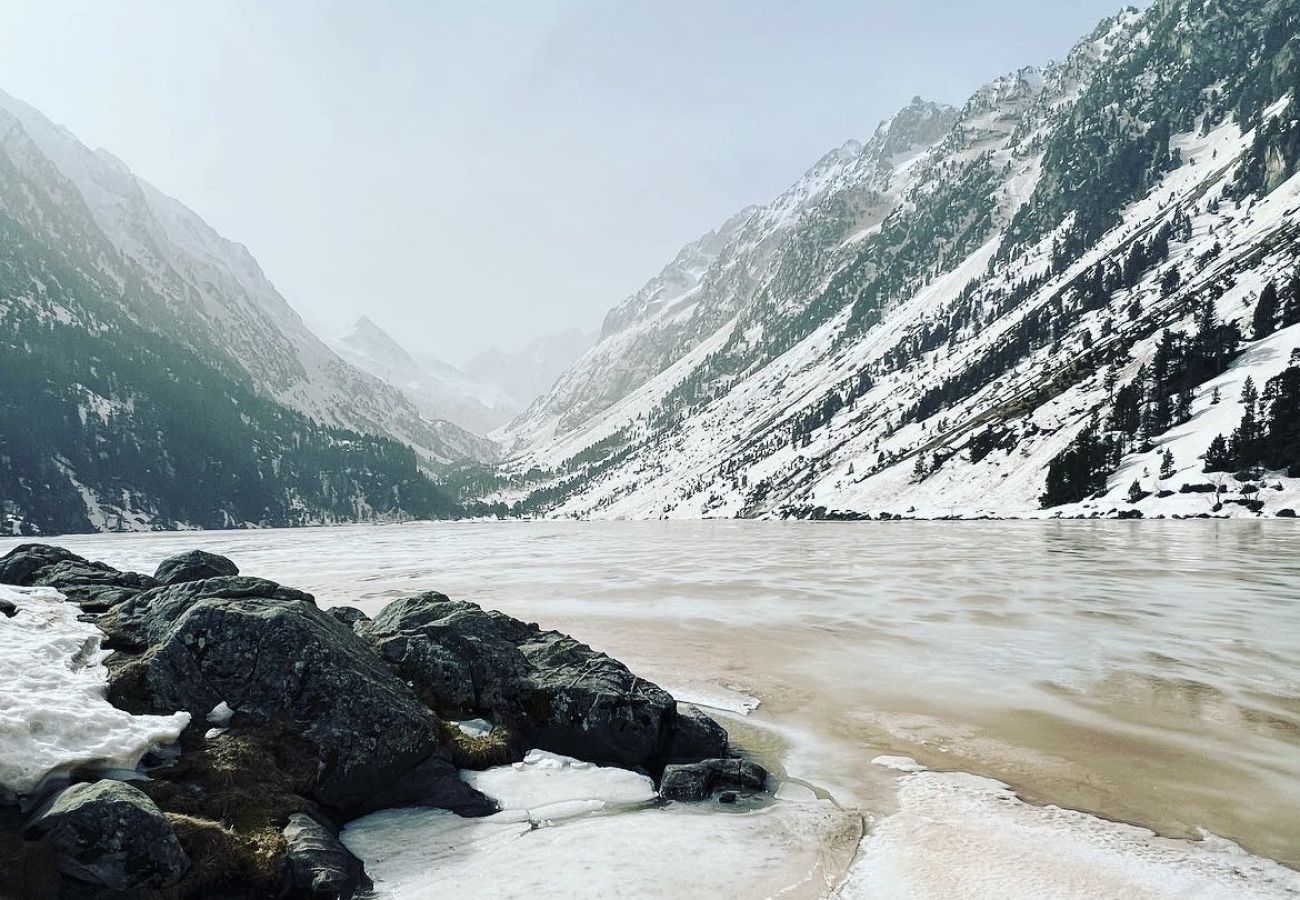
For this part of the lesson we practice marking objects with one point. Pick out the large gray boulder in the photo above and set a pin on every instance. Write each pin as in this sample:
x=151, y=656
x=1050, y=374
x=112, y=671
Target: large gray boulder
x=193, y=565
x=320, y=866
x=280, y=661
x=550, y=690
x=95, y=586
x=20, y=565
x=110, y=834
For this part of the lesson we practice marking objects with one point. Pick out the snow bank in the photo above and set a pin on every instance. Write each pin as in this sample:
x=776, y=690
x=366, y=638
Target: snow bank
x=958, y=835
x=53, y=715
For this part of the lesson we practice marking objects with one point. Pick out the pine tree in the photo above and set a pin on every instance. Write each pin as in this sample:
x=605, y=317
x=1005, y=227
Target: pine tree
x=1291, y=306
x=1167, y=464
x=1217, y=458
x=1265, y=319
x=918, y=470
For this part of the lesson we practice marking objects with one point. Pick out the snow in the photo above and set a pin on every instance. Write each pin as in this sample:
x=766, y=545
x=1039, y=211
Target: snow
x=958, y=835
x=545, y=785
x=54, y=718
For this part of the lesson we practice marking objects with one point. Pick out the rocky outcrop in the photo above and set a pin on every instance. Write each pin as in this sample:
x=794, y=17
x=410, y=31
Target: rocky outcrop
x=552, y=691
x=320, y=866
x=110, y=834
x=303, y=718
x=193, y=565
x=699, y=780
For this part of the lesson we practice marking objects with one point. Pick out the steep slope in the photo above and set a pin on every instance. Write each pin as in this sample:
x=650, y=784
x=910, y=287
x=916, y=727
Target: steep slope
x=439, y=389
x=211, y=295
x=1023, y=308
x=110, y=424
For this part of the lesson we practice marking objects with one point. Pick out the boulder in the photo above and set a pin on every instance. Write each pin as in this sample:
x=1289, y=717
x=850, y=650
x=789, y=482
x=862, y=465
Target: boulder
x=698, y=781
x=553, y=692
x=351, y=617
x=110, y=834
x=193, y=565
x=696, y=736
x=146, y=618
x=8, y=609
x=319, y=865
x=1286, y=514
x=94, y=586
x=21, y=564
x=280, y=661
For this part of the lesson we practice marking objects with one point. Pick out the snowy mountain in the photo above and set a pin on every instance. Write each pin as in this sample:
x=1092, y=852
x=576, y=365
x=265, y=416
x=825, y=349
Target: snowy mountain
x=153, y=377
x=439, y=389
x=211, y=294
x=1042, y=303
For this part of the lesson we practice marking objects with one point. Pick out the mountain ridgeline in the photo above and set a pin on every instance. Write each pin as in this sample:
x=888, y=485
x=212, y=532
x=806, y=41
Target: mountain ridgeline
x=1077, y=294
x=152, y=377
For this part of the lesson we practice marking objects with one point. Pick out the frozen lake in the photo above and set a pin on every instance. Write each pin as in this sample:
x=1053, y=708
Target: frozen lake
x=1140, y=672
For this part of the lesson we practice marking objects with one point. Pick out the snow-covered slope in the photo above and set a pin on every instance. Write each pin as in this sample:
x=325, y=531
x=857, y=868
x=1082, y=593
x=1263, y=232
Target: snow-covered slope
x=930, y=323
x=216, y=298
x=439, y=389
x=722, y=272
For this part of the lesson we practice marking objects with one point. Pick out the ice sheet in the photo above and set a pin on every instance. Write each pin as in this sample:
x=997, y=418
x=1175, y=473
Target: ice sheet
x=958, y=835
x=790, y=850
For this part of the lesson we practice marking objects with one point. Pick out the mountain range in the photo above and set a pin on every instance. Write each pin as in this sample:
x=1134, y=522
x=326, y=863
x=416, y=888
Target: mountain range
x=1075, y=294
x=1042, y=302
x=154, y=377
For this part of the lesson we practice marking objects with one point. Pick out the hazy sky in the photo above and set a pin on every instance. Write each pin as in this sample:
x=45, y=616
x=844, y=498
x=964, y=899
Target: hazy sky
x=478, y=173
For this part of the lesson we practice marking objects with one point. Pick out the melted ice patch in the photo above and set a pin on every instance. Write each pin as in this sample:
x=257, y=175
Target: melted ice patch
x=958, y=835
x=53, y=715
x=548, y=786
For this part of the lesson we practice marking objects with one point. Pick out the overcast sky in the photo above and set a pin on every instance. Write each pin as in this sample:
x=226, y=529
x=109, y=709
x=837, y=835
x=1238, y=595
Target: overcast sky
x=478, y=173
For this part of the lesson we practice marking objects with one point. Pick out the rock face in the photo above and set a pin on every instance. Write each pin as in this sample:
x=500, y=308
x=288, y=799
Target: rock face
x=193, y=565
x=320, y=866
x=555, y=693
x=435, y=783
x=279, y=658
x=697, y=781
x=110, y=834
